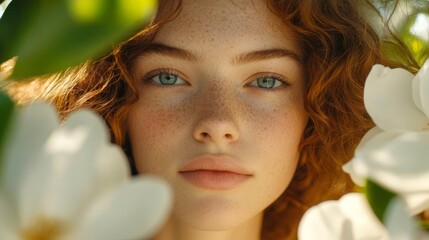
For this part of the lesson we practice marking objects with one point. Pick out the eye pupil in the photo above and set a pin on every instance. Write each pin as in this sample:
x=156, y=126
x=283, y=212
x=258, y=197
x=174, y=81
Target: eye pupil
x=266, y=82
x=167, y=79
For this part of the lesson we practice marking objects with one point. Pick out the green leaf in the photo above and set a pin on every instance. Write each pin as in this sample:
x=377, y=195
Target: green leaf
x=13, y=23
x=378, y=198
x=6, y=109
x=65, y=33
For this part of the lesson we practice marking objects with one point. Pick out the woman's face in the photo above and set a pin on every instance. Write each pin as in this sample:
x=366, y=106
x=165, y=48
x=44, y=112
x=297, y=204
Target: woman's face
x=221, y=113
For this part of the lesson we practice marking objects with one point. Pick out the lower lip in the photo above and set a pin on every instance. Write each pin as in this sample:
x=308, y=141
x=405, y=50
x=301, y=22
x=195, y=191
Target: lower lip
x=215, y=180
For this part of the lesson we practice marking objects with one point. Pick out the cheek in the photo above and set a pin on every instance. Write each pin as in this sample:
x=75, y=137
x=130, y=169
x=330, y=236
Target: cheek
x=273, y=146
x=154, y=130
x=154, y=124
x=279, y=138
x=278, y=129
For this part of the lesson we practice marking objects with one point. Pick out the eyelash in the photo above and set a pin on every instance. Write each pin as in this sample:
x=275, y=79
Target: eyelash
x=148, y=78
x=283, y=80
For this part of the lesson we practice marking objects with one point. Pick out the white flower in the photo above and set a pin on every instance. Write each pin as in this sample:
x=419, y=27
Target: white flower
x=70, y=182
x=396, y=99
x=394, y=154
x=397, y=161
x=351, y=218
x=399, y=223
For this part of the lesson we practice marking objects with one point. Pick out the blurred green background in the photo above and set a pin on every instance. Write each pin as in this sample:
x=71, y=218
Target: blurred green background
x=411, y=21
x=50, y=36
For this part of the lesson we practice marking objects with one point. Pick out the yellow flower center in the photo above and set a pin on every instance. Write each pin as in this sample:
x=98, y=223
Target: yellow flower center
x=43, y=229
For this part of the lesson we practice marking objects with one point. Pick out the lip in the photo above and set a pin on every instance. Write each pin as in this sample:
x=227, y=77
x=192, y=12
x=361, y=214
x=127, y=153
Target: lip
x=215, y=172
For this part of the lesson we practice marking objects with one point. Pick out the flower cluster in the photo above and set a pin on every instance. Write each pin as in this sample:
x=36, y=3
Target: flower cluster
x=391, y=163
x=69, y=182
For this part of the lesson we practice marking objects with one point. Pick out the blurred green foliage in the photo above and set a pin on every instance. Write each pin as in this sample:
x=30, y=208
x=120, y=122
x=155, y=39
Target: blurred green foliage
x=50, y=36
x=6, y=109
x=378, y=198
x=410, y=21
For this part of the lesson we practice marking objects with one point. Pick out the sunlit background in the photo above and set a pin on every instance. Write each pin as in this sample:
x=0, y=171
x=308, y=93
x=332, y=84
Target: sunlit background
x=411, y=22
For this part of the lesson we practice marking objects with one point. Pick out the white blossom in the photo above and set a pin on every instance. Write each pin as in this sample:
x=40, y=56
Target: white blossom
x=69, y=182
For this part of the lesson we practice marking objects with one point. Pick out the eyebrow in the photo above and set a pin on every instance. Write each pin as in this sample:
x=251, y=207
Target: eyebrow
x=162, y=49
x=267, y=54
x=258, y=55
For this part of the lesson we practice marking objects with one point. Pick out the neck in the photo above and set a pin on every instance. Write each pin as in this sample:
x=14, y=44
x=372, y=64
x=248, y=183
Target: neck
x=176, y=229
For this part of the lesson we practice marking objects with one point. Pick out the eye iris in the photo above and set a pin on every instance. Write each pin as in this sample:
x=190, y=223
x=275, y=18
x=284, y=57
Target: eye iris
x=266, y=82
x=167, y=79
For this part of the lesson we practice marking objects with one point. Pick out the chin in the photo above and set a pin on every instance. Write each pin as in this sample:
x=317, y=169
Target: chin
x=213, y=214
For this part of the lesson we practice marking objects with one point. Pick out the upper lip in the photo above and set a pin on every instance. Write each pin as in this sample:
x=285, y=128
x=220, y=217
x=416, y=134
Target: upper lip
x=212, y=162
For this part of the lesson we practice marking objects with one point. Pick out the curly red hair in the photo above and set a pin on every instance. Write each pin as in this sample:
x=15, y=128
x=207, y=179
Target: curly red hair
x=340, y=47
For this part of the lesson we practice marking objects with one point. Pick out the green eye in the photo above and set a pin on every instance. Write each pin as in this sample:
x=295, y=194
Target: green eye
x=166, y=79
x=269, y=81
x=266, y=82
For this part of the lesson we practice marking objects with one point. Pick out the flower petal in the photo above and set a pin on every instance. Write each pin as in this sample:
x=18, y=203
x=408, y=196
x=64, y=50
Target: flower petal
x=416, y=202
x=357, y=170
x=357, y=167
x=400, y=224
x=136, y=210
x=421, y=88
x=32, y=127
x=348, y=218
x=317, y=223
x=111, y=168
x=389, y=101
x=67, y=175
x=8, y=221
x=399, y=164
x=368, y=136
x=356, y=208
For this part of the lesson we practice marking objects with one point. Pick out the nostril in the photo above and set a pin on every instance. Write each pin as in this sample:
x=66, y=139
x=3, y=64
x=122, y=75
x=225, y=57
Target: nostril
x=217, y=136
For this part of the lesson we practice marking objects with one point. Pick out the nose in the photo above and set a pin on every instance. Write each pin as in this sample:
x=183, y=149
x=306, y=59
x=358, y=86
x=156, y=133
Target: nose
x=217, y=131
x=217, y=120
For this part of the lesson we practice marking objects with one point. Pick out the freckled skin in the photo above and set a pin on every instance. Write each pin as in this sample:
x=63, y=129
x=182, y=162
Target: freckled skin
x=266, y=126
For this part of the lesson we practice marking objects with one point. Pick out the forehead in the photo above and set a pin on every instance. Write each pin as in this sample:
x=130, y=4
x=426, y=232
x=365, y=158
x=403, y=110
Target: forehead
x=227, y=23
